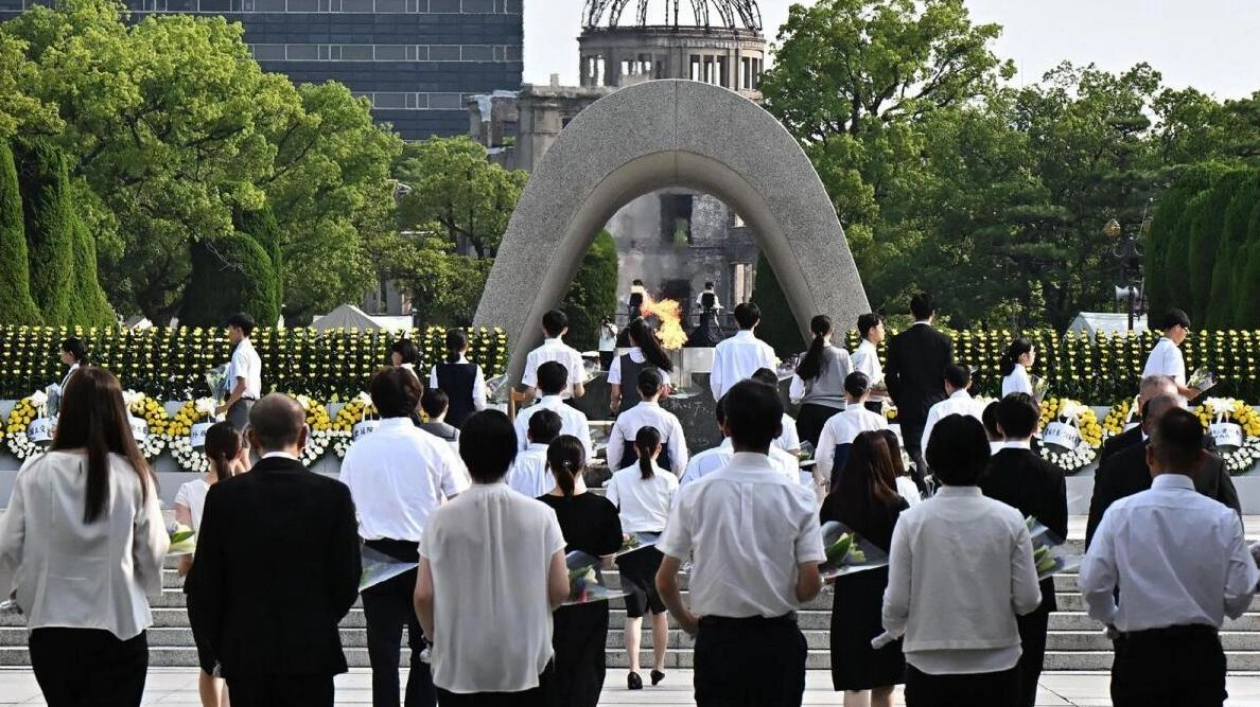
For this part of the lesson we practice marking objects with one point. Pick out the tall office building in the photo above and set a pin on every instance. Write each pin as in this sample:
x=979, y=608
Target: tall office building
x=418, y=61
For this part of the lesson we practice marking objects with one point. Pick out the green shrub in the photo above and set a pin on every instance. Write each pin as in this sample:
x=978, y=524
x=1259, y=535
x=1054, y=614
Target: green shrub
x=231, y=274
x=1206, y=238
x=593, y=293
x=89, y=307
x=49, y=222
x=1221, y=307
x=16, y=305
x=778, y=327
x=262, y=226
x=1166, y=253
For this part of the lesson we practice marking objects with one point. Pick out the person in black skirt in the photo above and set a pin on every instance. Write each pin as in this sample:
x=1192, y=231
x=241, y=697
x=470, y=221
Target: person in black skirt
x=590, y=524
x=463, y=382
x=866, y=501
x=819, y=381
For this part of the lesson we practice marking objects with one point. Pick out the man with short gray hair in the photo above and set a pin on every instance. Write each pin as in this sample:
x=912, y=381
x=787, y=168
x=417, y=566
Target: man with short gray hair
x=1151, y=387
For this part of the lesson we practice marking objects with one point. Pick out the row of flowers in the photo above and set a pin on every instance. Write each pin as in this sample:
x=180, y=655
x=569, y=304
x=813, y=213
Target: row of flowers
x=170, y=364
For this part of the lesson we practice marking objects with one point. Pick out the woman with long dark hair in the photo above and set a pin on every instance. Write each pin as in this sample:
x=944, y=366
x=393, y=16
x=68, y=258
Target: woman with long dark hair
x=643, y=493
x=590, y=524
x=87, y=515
x=463, y=382
x=228, y=455
x=1019, y=357
x=867, y=502
x=645, y=352
x=819, y=381
x=906, y=485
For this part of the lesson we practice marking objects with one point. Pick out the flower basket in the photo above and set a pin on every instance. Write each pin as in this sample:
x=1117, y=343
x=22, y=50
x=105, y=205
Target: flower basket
x=1235, y=427
x=1071, y=434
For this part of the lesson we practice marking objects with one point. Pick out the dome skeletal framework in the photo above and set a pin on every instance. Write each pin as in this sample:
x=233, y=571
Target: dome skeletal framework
x=704, y=14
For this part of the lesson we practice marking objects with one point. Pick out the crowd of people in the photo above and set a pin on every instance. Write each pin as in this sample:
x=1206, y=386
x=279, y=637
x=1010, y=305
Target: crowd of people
x=486, y=510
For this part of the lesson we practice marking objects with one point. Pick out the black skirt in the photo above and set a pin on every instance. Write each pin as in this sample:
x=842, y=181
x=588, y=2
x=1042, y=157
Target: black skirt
x=856, y=618
x=811, y=420
x=580, y=636
x=638, y=578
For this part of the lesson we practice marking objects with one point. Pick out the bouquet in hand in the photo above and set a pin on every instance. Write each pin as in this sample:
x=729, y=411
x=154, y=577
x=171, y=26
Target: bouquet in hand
x=1049, y=556
x=847, y=552
x=379, y=567
x=1040, y=387
x=637, y=541
x=181, y=537
x=584, y=581
x=1202, y=380
x=216, y=380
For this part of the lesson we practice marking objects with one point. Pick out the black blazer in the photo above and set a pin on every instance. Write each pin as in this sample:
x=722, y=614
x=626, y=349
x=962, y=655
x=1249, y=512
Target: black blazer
x=1035, y=487
x=1126, y=473
x=915, y=373
x=277, y=568
x=1119, y=443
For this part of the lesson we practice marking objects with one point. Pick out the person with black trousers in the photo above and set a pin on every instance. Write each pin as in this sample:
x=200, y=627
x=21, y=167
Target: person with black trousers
x=1022, y=479
x=462, y=381
x=1127, y=472
x=277, y=569
x=915, y=373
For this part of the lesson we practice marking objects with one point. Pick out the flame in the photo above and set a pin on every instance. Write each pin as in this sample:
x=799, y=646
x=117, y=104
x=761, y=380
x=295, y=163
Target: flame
x=669, y=313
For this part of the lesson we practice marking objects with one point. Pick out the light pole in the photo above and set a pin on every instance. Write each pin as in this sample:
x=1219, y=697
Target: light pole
x=1128, y=250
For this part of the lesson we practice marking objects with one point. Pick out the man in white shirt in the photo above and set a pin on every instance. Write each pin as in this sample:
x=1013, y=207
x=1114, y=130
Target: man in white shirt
x=757, y=548
x=715, y=459
x=844, y=427
x=1184, y=566
x=529, y=475
x=398, y=476
x=552, y=379
x=789, y=440
x=555, y=325
x=244, y=372
x=959, y=402
x=1166, y=359
x=738, y=357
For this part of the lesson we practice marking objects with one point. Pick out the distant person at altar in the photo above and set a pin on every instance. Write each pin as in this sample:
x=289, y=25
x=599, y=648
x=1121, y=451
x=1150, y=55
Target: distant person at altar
x=818, y=384
x=84, y=538
x=634, y=300
x=1182, y=566
x=607, y=343
x=1166, y=358
x=552, y=377
x=1018, y=358
x=74, y=355
x=622, y=451
x=757, y=547
x=555, y=325
x=865, y=358
x=738, y=357
x=404, y=354
x=915, y=374
x=645, y=352
x=492, y=571
x=463, y=381
x=958, y=401
x=435, y=404
x=244, y=372
x=788, y=440
x=398, y=476
x=277, y=568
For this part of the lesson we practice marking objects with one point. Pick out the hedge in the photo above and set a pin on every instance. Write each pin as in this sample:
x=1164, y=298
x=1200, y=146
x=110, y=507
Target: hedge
x=49, y=215
x=593, y=294
x=232, y=274
x=170, y=364
x=16, y=305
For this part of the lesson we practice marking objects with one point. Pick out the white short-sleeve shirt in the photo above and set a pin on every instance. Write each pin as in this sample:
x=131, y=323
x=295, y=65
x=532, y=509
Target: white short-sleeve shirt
x=1166, y=360
x=636, y=355
x=1017, y=382
x=246, y=364
x=529, y=475
x=490, y=552
x=643, y=503
x=572, y=422
x=192, y=495
x=560, y=352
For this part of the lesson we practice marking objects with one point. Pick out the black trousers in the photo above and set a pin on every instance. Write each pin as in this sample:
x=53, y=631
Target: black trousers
x=753, y=662
x=1180, y=666
x=78, y=667
x=1032, y=639
x=541, y=696
x=388, y=608
x=987, y=689
x=606, y=359
x=282, y=691
x=811, y=420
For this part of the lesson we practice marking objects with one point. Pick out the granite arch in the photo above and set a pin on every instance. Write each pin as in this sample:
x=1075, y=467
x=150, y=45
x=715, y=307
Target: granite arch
x=652, y=136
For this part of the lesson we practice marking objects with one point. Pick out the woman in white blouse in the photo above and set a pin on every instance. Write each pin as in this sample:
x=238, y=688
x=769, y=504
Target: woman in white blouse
x=1019, y=357
x=643, y=494
x=84, y=537
x=228, y=455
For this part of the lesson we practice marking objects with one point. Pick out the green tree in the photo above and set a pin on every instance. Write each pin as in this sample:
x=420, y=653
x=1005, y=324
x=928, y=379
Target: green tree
x=1161, y=255
x=1177, y=263
x=89, y=307
x=1207, y=234
x=230, y=274
x=16, y=305
x=49, y=222
x=1246, y=312
x=593, y=293
x=260, y=224
x=1224, y=289
x=778, y=325
x=20, y=112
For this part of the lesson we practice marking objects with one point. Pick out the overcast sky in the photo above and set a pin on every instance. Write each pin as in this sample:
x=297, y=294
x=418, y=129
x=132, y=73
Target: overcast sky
x=1209, y=44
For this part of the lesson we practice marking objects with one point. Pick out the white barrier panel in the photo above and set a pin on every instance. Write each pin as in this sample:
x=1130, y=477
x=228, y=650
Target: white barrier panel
x=1227, y=435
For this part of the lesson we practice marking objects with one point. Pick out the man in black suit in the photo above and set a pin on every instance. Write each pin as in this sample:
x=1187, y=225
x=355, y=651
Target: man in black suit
x=277, y=568
x=915, y=374
x=1021, y=478
x=1126, y=472
x=1151, y=388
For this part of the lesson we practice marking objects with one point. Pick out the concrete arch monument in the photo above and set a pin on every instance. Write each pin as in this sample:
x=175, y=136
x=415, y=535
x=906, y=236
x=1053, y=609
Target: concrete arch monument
x=669, y=134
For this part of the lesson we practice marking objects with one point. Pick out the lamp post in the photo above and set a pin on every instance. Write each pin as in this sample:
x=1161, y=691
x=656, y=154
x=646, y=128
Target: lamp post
x=1128, y=251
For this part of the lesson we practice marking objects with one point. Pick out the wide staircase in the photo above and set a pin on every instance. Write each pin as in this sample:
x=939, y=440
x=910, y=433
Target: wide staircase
x=1075, y=641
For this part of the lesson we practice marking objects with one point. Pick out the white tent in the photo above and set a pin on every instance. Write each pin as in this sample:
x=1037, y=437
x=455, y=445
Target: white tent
x=1094, y=322
x=347, y=316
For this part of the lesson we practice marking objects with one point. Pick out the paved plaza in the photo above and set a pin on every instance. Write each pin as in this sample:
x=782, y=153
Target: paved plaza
x=178, y=686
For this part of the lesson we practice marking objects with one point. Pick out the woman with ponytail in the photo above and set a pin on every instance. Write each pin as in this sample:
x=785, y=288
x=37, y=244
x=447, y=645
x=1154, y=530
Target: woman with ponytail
x=463, y=382
x=645, y=352
x=644, y=493
x=590, y=524
x=228, y=455
x=1019, y=357
x=819, y=381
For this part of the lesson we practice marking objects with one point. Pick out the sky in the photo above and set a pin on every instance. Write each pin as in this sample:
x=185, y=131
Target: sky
x=1209, y=44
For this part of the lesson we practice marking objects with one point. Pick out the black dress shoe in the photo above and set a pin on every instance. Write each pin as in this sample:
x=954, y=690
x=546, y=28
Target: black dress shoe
x=634, y=682
x=657, y=677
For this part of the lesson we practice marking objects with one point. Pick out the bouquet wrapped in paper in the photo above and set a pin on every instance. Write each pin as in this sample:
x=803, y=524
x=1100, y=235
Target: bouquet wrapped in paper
x=848, y=553
x=637, y=541
x=585, y=583
x=216, y=379
x=1040, y=387
x=1049, y=554
x=182, y=540
x=1202, y=380
x=379, y=567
